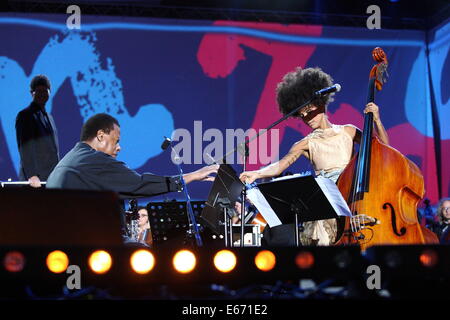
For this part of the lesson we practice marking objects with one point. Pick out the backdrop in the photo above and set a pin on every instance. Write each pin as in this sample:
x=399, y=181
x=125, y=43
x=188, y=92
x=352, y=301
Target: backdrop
x=159, y=75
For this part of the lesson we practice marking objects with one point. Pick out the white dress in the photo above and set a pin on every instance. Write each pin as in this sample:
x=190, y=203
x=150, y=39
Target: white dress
x=329, y=150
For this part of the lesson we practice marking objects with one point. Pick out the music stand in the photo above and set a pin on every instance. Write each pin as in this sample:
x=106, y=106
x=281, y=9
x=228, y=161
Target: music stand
x=297, y=199
x=169, y=223
x=224, y=193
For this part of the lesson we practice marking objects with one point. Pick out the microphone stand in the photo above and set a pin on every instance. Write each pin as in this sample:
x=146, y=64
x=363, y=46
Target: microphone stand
x=193, y=227
x=244, y=195
x=243, y=148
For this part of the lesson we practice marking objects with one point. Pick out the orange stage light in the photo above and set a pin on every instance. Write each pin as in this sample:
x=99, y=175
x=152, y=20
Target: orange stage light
x=14, y=261
x=428, y=258
x=184, y=261
x=225, y=261
x=265, y=260
x=304, y=260
x=100, y=261
x=57, y=261
x=142, y=261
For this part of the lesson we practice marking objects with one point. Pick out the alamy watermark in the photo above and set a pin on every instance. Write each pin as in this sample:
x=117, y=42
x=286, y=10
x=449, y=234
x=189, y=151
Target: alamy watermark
x=374, y=20
x=74, y=20
x=74, y=280
x=374, y=279
x=190, y=148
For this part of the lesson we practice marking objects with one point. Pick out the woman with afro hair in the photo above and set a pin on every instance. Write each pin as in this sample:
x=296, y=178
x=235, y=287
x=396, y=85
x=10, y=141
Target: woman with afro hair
x=329, y=146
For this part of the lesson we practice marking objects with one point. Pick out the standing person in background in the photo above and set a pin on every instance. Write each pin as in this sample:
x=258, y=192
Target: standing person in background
x=36, y=135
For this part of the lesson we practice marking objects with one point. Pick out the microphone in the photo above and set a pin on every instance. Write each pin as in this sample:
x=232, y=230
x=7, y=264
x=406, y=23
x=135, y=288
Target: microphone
x=166, y=143
x=324, y=91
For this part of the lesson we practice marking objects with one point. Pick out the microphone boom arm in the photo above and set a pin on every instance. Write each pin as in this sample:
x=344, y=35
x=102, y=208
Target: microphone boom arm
x=244, y=145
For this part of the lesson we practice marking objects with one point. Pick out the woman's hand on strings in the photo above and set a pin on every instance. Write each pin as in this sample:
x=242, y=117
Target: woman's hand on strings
x=372, y=107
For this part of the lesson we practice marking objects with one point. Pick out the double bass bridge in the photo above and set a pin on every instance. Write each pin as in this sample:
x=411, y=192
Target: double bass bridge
x=359, y=222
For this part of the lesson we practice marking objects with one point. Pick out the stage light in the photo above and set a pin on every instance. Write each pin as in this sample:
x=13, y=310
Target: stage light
x=393, y=259
x=225, y=261
x=100, y=261
x=14, y=261
x=428, y=258
x=57, y=261
x=142, y=261
x=184, y=261
x=265, y=260
x=304, y=260
x=343, y=259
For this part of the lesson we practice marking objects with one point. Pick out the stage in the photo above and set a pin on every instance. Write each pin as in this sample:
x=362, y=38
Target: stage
x=207, y=153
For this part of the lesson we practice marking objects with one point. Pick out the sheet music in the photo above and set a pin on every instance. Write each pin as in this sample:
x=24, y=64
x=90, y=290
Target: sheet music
x=334, y=196
x=260, y=202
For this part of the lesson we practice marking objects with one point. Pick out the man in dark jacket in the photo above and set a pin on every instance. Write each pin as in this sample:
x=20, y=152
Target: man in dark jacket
x=92, y=165
x=36, y=135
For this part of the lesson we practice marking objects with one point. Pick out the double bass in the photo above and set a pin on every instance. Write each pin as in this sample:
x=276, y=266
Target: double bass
x=381, y=186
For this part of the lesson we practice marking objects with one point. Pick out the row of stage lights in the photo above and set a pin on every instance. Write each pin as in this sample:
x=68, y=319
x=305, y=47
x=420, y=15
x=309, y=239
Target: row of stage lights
x=142, y=261
x=277, y=262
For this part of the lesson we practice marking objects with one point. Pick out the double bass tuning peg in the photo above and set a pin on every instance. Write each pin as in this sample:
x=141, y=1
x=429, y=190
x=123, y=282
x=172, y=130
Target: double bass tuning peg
x=379, y=55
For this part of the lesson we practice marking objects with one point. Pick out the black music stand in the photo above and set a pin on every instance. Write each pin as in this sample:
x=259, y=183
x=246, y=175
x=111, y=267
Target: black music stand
x=169, y=223
x=297, y=200
x=224, y=193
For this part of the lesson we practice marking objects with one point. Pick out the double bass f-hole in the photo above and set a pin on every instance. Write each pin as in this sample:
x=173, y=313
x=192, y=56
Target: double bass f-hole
x=394, y=220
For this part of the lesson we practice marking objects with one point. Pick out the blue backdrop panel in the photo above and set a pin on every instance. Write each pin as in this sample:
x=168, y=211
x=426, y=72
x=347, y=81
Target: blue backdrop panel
x=156, y=76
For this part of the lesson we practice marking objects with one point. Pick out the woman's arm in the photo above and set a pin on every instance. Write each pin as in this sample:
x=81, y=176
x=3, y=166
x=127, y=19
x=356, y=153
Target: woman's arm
x=278, y=167
x=381, y=131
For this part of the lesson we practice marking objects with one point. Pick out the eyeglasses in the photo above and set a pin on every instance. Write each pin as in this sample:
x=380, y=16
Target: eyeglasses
x=306, y=110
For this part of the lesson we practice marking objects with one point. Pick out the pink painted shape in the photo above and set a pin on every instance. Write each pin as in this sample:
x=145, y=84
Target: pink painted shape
x=347, y=114
x=219, y=54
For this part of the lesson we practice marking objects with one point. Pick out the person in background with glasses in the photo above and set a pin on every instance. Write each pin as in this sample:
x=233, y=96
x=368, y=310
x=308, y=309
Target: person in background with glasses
x=443, y=213
x=145, y=233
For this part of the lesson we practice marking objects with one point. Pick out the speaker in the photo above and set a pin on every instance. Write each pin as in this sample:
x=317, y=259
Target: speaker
x=59, y=218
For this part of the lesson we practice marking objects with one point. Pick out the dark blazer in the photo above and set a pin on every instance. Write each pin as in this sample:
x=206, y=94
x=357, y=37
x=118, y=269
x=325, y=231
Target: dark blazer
x=84, y=168
x=37, y=142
